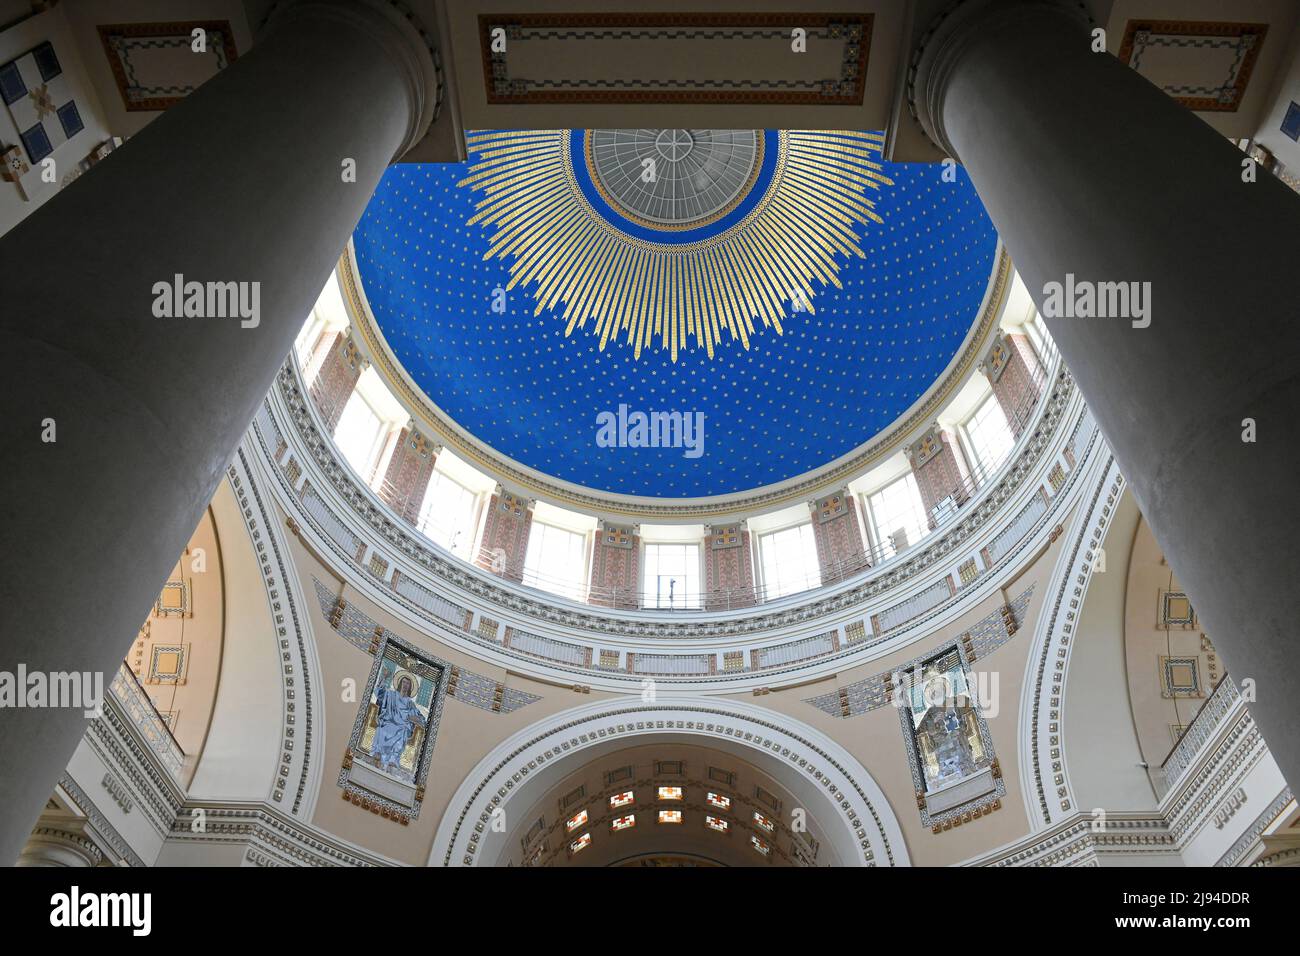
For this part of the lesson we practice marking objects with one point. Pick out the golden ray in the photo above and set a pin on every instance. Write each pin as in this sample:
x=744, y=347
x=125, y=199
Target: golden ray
x=704, y=295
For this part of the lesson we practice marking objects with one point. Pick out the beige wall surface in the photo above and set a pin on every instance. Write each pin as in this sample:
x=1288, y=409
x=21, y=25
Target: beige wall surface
x=465, y=735
x=876, y=738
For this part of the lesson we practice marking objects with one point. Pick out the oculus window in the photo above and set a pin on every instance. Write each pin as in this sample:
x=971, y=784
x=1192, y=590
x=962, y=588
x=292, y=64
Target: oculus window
x=556, y=561
x=789, y=559
x=672, y=576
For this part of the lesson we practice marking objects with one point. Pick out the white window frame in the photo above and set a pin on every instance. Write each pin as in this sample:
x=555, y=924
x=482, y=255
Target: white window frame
x=688, y=599
x=575, y=590
x=369, y=467
x=464, y=545
x=883, y=536
x=780, y=589
x=979, y=468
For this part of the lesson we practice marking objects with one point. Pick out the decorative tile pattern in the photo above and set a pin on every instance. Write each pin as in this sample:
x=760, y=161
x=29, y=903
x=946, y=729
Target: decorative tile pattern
x=1291, y=122
x=364, y=633
x=1204, y=65
x=155, y=64
x=168, y=664
x=616, y=566
x=659, y=42
x=1180, y=677
x=505, y=535
x=1176, y=611
x=986, y=636
x=174, y=600
x=40, y=101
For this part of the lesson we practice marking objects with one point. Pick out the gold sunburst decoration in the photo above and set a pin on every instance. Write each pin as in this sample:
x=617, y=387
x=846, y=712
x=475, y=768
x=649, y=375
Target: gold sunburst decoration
x=756, y=271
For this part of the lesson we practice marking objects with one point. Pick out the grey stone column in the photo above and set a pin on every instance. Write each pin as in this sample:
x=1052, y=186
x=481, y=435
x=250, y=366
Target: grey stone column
x=1087, y=168
x=242, y=182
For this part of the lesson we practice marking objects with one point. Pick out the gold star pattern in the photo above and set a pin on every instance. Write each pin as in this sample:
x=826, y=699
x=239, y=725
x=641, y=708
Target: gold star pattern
x=653, y=295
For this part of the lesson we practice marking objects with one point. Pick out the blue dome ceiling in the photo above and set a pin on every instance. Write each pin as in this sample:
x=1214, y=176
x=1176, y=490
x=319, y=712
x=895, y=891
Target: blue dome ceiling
x=890, y=261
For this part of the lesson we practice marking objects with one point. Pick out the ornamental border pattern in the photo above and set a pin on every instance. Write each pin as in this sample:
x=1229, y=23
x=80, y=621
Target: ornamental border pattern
x=478, y=587
x=361, y=631
x=1261, y=823
x=99, y=822
x=455, y=573
x=847, y=89
x=430, y=420
x=273, y=838
x=374, y=801
x=1059, y=632
x=936, y=821
x=113, y=738
x=623, y=726
x=289, y=717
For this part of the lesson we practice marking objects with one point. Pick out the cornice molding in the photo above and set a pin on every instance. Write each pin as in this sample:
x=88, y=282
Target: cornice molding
x=297, y=779
x=1042, y=707
x=342, y=521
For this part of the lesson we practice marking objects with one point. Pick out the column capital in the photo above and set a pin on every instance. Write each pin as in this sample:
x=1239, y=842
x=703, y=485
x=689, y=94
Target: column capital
x=61, y=841
x=941, y=44
x=410, y=44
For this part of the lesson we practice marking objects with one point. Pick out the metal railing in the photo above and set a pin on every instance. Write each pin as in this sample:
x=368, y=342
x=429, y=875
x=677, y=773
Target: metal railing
x=873, y=554
x=1204, y=724
x=148, y=722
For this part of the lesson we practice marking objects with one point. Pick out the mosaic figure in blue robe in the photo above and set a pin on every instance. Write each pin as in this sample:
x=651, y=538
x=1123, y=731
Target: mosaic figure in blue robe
x=398, y=717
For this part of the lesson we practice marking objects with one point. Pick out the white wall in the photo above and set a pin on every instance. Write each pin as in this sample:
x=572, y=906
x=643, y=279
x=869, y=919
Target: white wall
x=1101, y=747
x=1270, y=133
x=241, y=753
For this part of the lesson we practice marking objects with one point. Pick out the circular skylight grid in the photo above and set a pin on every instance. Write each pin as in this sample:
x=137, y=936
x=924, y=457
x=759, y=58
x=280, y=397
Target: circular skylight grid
x=674, y=177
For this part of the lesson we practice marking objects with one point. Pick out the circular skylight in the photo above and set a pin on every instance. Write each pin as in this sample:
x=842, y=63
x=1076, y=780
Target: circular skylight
x=671, y=178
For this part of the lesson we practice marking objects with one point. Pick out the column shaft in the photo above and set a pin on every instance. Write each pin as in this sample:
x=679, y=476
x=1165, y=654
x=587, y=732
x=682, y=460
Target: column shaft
x=242, y=183
x=1088, y=169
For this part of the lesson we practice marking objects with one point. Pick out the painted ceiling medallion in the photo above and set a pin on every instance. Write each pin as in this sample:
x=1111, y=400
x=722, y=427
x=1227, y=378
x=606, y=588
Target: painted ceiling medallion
x=675, y=239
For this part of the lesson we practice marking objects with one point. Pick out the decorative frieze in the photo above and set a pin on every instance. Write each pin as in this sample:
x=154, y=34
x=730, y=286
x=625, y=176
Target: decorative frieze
x=426, y=563
x=616, y=566
x=505, y=535
x=840, y=549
